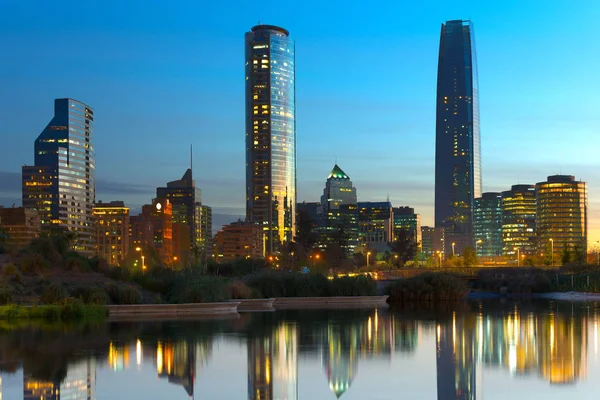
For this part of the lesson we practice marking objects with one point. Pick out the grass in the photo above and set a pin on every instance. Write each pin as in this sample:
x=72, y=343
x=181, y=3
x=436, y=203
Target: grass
x=72, y=311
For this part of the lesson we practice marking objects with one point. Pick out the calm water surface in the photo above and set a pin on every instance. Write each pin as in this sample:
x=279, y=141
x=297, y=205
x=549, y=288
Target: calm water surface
x=490, y=350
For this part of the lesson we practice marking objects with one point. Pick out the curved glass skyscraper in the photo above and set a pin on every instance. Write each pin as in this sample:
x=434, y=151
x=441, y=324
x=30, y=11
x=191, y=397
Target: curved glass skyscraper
x=457, y=147
x=271, y=133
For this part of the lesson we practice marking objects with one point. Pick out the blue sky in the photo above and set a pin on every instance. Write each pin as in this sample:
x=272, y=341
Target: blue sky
x=161, y=76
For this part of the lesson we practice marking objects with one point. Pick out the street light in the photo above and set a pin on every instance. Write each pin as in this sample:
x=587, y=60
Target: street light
x=368, y=254
x=439, y=253
x=518, y=255
x=142, y=256
x=477, y=243
x=453, y=244
x=552, y=252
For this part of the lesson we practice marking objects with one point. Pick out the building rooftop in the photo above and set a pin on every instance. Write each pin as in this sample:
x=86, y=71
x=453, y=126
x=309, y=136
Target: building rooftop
x=270, y=28
x=337, y=173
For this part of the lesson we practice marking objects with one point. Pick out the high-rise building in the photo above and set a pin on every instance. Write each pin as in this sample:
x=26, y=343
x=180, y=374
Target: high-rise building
x=375, y=224
x=151, y=232
x=487, y=224
x=271, y=133
x=111, y=222
x=186, y=199
x=519, y=220
x=338, y=211
x=457, y=137
x=238, y=240
x=206, y=228
x=433, y=241
x=61, y=183
x=21, y=225
x=562, y=214
x=405, y=220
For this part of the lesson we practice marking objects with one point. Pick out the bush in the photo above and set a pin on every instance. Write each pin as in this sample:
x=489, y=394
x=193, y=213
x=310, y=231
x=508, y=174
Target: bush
x=239, y=290
x=77, y=262
x=90, y=295
x=53, y=293
x=201, y=289
x=123, y=294
x=353, y=286
x=429, y=286
x=33, y=264
x=5, y=295
x=12, y=273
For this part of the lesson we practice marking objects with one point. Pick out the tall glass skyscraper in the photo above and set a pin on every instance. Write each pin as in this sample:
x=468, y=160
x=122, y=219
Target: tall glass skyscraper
x=457, y=148
x=61, y=184
x=271, y=133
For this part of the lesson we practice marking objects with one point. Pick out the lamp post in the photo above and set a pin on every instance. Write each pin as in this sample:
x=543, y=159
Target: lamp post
x=518, y=256
x=439, y=253
x=453, y=244
x=368, y=254
x=142, y=257
x=552, y=252
x=477, y=243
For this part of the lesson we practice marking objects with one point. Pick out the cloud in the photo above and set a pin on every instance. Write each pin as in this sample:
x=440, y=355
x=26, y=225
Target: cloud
x=104, y=186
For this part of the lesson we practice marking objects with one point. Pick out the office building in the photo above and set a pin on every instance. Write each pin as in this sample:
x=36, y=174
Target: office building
x=111, y=223
x=457, y=148
x=21, y=225
x=562, y=214
x=151, y=233
x=271, y=133
x=519, y=209
x=375, y=224
x=405, y=220
x=433, y=243
x=238, y=240
x=339, y=213
x=186, y=199
x=487, y=224
x=61, y=183
x=206, y=229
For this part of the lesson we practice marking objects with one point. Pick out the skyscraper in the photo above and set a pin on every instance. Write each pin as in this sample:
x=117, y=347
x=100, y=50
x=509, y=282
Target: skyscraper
x=562, y=214
x=271, y=133
x=61, y=184
x=487, y=224
x=519, y=220
x=457, y=148
x=407, y=222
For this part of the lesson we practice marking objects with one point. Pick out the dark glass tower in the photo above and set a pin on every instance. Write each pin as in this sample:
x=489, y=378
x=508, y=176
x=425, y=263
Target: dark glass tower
x=61, y=184
x=457, y=147
x=271, y=133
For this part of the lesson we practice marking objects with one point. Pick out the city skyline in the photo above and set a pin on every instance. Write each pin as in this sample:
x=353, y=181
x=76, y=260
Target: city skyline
x=399, y=105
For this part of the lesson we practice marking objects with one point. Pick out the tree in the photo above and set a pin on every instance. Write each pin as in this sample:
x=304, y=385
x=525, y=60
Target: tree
x=469, y=257
x=404, y=246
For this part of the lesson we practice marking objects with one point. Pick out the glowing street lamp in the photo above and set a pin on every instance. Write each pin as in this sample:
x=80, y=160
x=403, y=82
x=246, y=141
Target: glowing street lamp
x=368, y=254
x=142, y=256
x=453, y=244
x=477, y=243
x=518, y=255
x=439, y=253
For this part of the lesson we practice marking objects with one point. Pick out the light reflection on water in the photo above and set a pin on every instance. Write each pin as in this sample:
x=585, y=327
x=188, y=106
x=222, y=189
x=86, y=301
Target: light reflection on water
x=456, y=352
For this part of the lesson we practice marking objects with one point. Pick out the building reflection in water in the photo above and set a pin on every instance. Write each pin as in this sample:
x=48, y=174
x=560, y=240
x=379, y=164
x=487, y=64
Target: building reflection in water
x=177, y=362
x=78, y=384
x=273, y=364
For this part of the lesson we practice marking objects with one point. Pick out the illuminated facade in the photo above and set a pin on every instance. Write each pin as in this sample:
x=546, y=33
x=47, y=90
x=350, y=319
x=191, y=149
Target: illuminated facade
x=61, y=184
x=338, y=212
x=562, y=214
x=458, y=149
x=186, y=199
x=375, y=223
x=433, y=240
x=519, y=209
x=238, y=240
x=487, y=224
x=406, y=220
x=111, y=223
x=153, y=229
x=22, y=225
x=271, y=133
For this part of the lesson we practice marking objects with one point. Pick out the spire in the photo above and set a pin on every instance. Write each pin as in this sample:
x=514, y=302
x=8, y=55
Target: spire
x=337, y=173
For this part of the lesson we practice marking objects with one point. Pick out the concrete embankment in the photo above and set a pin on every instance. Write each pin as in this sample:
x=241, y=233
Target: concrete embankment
x=169, y=311
x=290, y=303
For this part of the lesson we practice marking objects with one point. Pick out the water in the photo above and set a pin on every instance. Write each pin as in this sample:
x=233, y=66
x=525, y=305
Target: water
x=487, y=350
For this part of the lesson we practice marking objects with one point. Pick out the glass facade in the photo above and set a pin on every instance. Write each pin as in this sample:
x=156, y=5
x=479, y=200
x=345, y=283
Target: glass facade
x=487, y=224
x=375, y=221
x=562, y=214
x=519, y=209
x=271, y=133
x=61, y=185
x=405, y=219
x=458, y=148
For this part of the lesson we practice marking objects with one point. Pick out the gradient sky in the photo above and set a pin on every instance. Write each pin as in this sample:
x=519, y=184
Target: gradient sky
x=161, y=76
